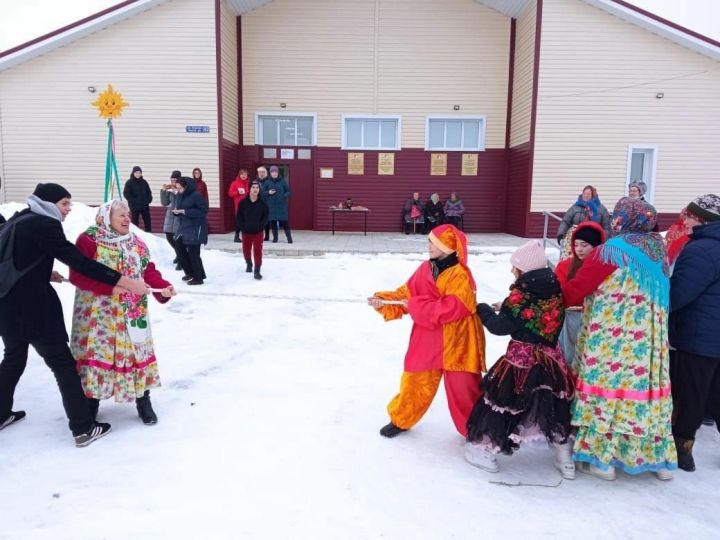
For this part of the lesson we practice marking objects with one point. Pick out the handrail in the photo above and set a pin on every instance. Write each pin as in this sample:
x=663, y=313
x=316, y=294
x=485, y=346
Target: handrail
x=547, y=215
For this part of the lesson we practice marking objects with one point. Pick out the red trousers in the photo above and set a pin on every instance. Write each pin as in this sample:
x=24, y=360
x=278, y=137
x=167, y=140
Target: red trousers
x=417, y=390
x=254, y=243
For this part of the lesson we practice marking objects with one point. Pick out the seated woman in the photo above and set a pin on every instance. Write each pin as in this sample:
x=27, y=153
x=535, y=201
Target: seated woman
x=111, y=337
x=454, y=209
x=587, y=208
x=414, y=214
x=434, y=212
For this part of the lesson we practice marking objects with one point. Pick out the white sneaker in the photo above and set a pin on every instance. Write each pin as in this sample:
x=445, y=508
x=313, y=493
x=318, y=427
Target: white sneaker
x=606, y=474
x=563, y=460
x=480, y=457
x=664, y=474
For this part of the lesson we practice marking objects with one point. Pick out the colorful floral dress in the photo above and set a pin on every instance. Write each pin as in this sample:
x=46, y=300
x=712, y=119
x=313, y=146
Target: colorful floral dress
x=623, y=405
x=111, y=338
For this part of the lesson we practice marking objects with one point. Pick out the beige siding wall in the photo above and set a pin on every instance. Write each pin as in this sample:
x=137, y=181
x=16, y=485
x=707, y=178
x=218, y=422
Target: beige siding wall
x=407, y=57
x=229, y=73
x=168, y=79
x=597, y=96
x=523, y=76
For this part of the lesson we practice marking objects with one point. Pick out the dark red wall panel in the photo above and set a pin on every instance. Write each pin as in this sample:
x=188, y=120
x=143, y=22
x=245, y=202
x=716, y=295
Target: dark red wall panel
x=518, y=189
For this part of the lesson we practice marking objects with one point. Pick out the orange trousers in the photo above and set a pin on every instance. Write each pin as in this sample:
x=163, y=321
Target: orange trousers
x=417, y=390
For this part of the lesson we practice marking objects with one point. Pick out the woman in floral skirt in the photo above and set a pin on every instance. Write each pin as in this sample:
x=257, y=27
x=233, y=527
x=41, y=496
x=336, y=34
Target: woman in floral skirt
x=623, y=405
x=111, y=337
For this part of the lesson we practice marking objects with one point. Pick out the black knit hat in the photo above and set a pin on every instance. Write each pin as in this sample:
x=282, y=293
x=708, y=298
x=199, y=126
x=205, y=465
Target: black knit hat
x=176, y=174
x=588, y=234
x=706, y=207
x=136, y=168
x=50, y=192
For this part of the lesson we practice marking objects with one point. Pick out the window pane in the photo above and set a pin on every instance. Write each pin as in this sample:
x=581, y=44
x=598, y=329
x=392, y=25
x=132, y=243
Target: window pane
x=388, y=133
x=437, y=133
x=353, y=133
x=287, y=131
x=471, y=134
x=372, y=133
x=453, y=134
x=637, y=166
x=305, y=130
x=269, y=131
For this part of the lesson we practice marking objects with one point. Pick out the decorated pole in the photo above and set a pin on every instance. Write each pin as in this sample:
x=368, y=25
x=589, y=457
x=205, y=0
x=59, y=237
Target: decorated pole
x=110, y=105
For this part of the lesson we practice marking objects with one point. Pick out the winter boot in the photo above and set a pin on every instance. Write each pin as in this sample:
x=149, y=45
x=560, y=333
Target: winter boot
x=289, y=237
x=664, y=474
x=256, y=273
x=588, y=468
x=684, y=452
x=94, y=406
x=249, y=266
x=563, y=460
x=96, y=431
x=14, y=418
x=145, y=410
x=237, y=237
x=408, y=226
x=391, y=430
x=481, y=457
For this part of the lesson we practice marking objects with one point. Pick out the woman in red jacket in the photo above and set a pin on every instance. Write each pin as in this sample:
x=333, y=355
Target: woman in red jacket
x=584, y=239
x=238, y=190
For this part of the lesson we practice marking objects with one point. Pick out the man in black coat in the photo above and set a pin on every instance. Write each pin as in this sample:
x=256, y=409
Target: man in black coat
x=138, y=195
x=31, y=313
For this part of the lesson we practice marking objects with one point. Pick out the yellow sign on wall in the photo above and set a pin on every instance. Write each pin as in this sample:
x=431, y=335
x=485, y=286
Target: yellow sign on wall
x=438, y=164
x=386, y=163
x=469, y=165
x=356, y=163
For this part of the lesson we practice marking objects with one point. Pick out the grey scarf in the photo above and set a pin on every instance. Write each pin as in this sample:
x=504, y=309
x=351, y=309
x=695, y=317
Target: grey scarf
x=44, y=208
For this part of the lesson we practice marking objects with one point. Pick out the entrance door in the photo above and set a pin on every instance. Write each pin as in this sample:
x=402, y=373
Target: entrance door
x=299, y=176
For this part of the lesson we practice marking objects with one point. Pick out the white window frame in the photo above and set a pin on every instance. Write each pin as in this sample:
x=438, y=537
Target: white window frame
x=651, y=169
x=258, y=126
x=481, y=138
x=398, y=133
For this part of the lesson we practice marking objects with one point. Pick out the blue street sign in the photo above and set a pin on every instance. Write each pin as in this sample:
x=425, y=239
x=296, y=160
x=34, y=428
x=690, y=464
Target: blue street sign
x=197, y=129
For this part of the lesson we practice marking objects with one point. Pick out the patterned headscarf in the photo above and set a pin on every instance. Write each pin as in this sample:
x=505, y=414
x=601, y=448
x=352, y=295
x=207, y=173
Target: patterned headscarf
x=634, y=220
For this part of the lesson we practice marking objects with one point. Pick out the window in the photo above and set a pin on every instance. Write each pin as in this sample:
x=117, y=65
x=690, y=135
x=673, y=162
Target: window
x=369, y=132
x=641, y=167
x=273, y=129
x=455, y=133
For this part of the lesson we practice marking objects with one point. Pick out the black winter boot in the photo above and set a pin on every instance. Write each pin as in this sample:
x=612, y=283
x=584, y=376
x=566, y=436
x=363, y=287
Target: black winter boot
x=391, y=430
x=94, y=405
x=257, y=275
x=249, y=267
x=237, y=237
x=145, y=410
x=684, y=447
x=289, y=237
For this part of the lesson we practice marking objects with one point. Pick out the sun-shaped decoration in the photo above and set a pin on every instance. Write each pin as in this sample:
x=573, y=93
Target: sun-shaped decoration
x=110, y=103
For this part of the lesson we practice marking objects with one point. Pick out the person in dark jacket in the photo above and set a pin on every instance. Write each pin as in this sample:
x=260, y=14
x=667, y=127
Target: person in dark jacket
x=252, y=216
x=138, y=195
x=2, y=219
x=527, y=393
x=261, y=178
x=31, y=313
x=694, y=326
x=414, y=214
x=192, y=209
x=276, y=194
x=587, y=208
x=434, y=213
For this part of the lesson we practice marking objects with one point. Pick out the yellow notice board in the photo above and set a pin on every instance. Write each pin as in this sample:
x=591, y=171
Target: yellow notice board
x=386, y=163
x=438, y=164
x=469, y=165
x=356, y=163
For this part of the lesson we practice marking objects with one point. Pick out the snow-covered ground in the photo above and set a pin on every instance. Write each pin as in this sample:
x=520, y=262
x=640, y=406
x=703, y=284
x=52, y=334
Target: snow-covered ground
x=269, y=417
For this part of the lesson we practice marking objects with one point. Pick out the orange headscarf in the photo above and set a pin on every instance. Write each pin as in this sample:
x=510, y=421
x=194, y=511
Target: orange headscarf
x=448, y=239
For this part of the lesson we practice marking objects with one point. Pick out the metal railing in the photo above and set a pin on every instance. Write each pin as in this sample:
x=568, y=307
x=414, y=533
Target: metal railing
x=553, y=242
